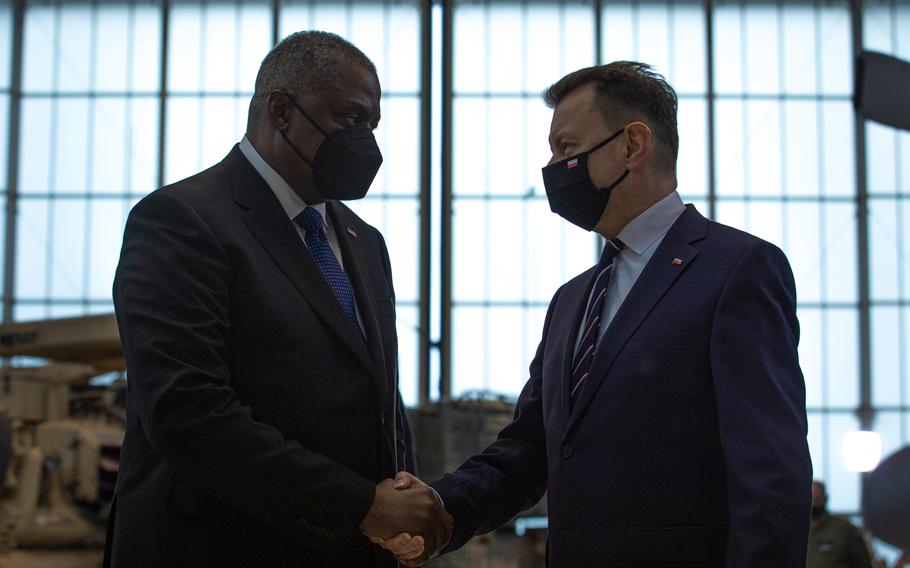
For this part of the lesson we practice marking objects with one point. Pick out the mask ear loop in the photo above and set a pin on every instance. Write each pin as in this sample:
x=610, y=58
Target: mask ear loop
x=607, y=141
x=308, y=117
x=294, y=148
x=611, y=138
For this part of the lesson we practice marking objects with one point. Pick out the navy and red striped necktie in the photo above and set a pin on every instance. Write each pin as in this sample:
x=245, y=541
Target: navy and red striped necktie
x=581, y=365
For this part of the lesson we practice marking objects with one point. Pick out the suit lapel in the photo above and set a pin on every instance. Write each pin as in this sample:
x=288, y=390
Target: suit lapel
x=357, y=270
x=672, y=258
x=276, y=233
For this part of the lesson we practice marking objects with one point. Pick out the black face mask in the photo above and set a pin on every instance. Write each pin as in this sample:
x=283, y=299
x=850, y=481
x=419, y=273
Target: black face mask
x=817, y=512
x=571, y=192
x=346, y=162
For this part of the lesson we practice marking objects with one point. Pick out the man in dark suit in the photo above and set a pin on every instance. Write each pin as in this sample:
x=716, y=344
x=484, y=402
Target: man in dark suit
x=257, y=315
x=665, y=411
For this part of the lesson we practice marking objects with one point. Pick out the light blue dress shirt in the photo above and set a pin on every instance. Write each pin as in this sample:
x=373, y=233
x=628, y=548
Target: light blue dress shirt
x=641, y=236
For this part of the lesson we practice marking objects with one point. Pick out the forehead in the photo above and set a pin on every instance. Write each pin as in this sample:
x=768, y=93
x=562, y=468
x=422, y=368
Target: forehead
x=356, y=85
x=577, y=113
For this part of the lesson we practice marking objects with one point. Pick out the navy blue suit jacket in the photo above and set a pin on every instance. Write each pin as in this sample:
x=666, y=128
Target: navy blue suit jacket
x=687, y=445
x=258, y=421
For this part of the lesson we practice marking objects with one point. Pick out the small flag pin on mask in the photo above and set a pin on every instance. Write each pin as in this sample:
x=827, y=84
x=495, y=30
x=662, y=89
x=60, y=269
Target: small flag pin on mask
x=677, y=262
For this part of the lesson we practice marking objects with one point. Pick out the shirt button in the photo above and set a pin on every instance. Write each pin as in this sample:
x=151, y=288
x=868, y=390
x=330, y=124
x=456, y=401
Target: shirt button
x=567, y=451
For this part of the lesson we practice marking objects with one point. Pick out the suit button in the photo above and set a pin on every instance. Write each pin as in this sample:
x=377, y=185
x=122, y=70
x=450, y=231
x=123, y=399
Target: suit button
x=301, y=523
x=566, y=451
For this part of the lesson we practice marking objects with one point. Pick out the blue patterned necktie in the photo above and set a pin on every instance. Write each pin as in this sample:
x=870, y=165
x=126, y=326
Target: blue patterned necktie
x=322, y=253
x=581, y=366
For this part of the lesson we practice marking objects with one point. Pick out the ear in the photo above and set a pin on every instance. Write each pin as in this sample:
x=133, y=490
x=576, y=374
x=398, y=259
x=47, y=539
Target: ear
x=639, y=144
x=279, y=108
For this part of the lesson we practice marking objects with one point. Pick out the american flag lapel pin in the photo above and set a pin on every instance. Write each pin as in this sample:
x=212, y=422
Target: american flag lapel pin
x=352, y=232
x=573, y=163
x=677, y=262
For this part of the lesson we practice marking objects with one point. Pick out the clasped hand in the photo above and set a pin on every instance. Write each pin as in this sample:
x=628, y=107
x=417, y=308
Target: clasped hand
x=408, y=519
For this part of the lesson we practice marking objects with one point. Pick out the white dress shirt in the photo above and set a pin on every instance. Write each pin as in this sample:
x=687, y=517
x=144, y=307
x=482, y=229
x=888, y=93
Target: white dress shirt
x=641, y=236
x=293, y=205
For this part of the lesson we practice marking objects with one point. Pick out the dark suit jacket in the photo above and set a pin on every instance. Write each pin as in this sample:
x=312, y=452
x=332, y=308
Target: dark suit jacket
x=258, y=421
x=687, y=445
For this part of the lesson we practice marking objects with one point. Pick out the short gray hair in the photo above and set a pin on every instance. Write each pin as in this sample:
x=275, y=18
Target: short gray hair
x=305, y=63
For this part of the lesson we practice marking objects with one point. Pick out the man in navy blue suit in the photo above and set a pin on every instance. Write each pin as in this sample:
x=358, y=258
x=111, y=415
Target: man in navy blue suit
x=665, y=411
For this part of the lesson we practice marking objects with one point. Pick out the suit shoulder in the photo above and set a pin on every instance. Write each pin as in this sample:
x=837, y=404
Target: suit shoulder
x=737, y=243
x=206, y=187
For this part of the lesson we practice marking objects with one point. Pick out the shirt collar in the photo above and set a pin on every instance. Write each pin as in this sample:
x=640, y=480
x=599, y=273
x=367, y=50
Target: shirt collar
x=292, y=204
x=642, y=232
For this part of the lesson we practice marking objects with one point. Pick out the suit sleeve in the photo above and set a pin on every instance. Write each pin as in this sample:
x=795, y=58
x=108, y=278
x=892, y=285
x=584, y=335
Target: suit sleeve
x=173, y=297
x=510, y=475
x=761, y=411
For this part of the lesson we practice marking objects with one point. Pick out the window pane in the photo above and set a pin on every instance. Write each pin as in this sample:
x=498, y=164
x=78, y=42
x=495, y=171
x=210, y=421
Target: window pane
x=125, y=149
x=111, y=61
x=67, y=254
x=840, y=252
x=35, y=145
x=75, y=39
x=496, y=51
x=32, y=249
x=762, y=146
x=762, y=48
x=810, y=355
x=399, y=222
x=803, y=250
x=729, y=68
x=200, y=132
x=886, y=347
x=106, y=235
x=838, y=140
x=185, y=47
x=4, y=139
x=128, y=51
x=398, y=137
x=798, y=37
x=6, y=39
x=495, y=347
x=835, y=53
x=70, y=174
x=29, y=312
x=688, y=68
x=146, y=47
x=884, y=237
x=40, y=38
x=842, y=330
x=881, y=160
x=730, y=149
x=408, y=353
x=801, y=140
x=692, y=167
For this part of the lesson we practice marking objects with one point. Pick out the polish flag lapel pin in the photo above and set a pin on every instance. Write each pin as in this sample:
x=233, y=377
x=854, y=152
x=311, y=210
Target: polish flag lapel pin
x=571, y=164
x=677, y=262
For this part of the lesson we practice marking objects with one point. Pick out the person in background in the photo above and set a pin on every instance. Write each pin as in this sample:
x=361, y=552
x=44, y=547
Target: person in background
x=833, y=542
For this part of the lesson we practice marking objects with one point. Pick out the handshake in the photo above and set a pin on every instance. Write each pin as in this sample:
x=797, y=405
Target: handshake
x=408, y=519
